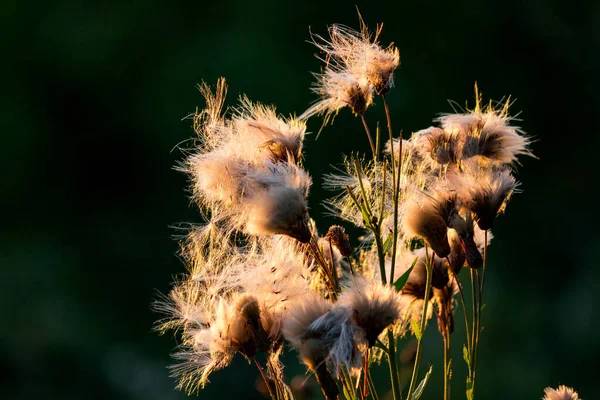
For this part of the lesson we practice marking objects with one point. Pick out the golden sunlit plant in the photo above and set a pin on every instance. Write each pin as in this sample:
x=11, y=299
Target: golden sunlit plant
x=261, y=279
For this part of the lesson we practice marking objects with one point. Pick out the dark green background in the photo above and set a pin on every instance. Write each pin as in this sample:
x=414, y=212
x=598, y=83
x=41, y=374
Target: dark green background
x=92, y=103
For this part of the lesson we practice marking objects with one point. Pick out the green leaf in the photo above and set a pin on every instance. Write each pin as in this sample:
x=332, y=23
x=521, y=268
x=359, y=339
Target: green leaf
x=421, y=387
x=387, y=245
x=379, y=344
x=469, y=389
x=399, y=284
x=483, y=306
x=414, y=324
x=466, y=356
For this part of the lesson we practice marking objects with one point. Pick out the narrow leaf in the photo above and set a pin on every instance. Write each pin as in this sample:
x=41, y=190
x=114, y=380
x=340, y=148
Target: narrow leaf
x=399, y=284
x=414, y=324
x=379, y=344
x=387, y=244
x=421, y=387
x=466, y=356
x=469, y=389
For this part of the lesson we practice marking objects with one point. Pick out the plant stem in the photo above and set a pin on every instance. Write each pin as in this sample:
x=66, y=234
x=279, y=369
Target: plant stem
x=477, y=323
x=372, y=388
x=262, y=373
x=362, y=117
x=396, y=174
x=413, y=379
x=445, y=365
x=393, y=366
x=377, y=233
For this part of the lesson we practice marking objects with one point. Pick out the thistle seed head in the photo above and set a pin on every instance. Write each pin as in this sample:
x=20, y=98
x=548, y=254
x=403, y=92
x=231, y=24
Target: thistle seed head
x=561, y=393
x=339, y=238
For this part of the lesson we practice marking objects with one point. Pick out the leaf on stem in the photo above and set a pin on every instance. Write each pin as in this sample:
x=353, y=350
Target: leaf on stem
x=379, y=344
x=387, y=245
x=399, y=284
x=469, y=389
x=466, y=356
x=414, y=324
x=421, y=387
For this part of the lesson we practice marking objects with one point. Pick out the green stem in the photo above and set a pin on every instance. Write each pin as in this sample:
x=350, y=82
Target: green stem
x=362, y=117
x=413, y=379
x=396, y=173
x=372, y=388
x=393, y=366
x=380, y=254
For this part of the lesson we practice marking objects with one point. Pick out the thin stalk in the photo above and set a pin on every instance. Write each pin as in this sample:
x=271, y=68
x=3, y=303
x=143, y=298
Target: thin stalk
x=366, y=375
x=372, y=388
x=480, y=284
x=397, y=394
x=362, y=117
x=485, y=234
x=262, y=373
x=462, y=301
x=333, y=269
x=396, y=173
x=347, y=383
x=383, y=188
x=413, y=379
x=447, y=350
x=380, y=253
x=277, y=381
x=377, y=139
x=445, y=366
x=475, y=328
x=314, y=247
x=363, y=192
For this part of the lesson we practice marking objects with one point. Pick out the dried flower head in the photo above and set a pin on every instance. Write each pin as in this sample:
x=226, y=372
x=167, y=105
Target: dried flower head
x=244, y=173
x=337, y=90
x=463, y=225
x=562, y=393
x=427, y=215
x=278, y=204
x=375, y=306
x=484, y=190
x=356, y=66
x=486, y=132
x=263, y=134
x=361, y=54
x=339, y=238
x=437, y=145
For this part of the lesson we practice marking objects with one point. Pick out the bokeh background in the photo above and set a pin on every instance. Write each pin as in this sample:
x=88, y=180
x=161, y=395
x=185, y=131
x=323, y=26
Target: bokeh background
x=92, y=107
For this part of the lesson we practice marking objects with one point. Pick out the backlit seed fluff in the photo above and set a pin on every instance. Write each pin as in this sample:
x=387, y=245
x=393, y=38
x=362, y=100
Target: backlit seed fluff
x=339, y=89
x=486, y=131
x=374, y=305
x=427, y=216
x=361, y=54
x=262, y=132
x=484, y=191
x=313, y=348
x=561, y=393
x=437, y=145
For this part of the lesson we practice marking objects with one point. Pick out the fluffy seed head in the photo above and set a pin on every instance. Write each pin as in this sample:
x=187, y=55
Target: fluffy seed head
x=426, y=216
x=338, y=90
x=484, y=191
x=375, y=306
x=313, y=349
x=486, y=132
x=437, y=145
x=562, y=393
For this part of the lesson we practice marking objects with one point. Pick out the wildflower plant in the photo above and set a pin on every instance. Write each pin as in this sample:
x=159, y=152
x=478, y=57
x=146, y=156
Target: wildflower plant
x=262, y=279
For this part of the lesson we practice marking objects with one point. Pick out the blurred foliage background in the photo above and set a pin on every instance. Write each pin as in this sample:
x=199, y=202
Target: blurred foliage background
x=92, y=104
